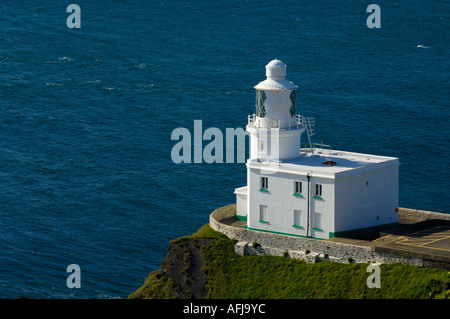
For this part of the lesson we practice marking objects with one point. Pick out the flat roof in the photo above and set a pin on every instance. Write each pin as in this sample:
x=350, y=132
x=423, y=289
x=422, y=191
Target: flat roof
x=347, y=163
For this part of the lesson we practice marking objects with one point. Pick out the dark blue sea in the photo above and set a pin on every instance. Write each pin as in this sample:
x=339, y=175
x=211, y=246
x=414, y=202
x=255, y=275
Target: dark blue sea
x=86, y=116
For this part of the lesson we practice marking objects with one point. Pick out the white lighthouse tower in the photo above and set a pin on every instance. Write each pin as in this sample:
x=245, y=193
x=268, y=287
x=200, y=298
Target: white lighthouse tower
x=308, y=192
x=275, y=128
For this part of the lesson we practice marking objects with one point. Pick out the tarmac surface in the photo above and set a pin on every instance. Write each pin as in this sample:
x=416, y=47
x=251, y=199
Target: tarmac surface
x=428, y=240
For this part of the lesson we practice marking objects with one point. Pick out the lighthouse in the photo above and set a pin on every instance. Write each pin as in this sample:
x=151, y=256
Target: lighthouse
x=313, y=191
x=275, y=128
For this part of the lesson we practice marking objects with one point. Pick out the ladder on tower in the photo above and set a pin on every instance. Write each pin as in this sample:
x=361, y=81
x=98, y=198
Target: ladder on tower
x=309, y=123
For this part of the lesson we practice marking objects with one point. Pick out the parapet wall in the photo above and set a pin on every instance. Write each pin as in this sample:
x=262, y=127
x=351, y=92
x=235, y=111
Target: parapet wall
x=309, y=249
x=415, y=215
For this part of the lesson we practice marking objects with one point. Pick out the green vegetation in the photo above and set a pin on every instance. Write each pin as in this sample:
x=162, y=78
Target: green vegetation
x=156, y=286
x=234, y=276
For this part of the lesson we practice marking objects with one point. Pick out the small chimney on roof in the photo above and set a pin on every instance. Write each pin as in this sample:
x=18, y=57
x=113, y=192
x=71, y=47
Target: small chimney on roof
x=329, y=161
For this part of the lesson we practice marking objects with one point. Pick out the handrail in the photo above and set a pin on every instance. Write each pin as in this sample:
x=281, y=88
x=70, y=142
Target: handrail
x=316, y=146
x=267, y=123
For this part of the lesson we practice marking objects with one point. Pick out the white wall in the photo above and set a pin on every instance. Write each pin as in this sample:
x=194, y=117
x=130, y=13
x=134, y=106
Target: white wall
x=367, y=199
x=324, y=206
x=281, y=204
x=241, y=201
x=277, y=144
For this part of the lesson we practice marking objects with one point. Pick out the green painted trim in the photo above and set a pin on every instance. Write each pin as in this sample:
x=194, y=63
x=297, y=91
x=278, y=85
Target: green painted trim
x=317, y=197
x=317, y=229
x=264, y=190
x=330, y=234
x=280, y=233
x=263, y=221
x=298, y=194
x=241, y=217
x=297, y=226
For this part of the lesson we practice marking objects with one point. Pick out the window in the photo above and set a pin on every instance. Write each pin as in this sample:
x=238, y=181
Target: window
x=318, y=191
x=317, y=221
x=297, y=218
x=264, y=184
x=260, y=99
x=292, y=109
x=297, y=188
x=263, y=214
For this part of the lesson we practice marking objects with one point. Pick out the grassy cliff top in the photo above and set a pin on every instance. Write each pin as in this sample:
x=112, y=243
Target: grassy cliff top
x=204, y=265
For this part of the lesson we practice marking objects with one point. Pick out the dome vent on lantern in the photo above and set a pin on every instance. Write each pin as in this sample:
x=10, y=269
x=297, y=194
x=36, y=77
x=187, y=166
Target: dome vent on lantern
x=276, y=81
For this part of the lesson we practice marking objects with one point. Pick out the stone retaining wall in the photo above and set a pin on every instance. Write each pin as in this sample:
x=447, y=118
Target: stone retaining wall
x=309, y=249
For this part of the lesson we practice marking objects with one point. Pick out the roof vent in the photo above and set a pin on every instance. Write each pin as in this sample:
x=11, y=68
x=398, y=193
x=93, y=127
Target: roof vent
x=329, y=161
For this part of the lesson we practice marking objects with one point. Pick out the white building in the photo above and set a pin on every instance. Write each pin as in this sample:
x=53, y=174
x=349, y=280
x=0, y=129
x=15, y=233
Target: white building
x=312, y=191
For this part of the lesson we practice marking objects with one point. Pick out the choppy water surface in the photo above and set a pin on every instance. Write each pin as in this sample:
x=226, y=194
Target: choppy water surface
x=86, y=117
